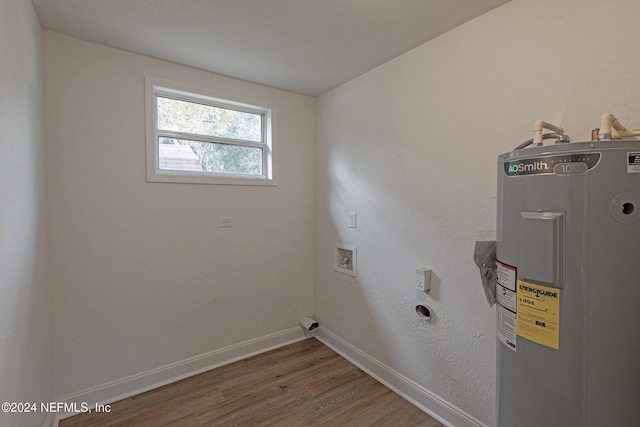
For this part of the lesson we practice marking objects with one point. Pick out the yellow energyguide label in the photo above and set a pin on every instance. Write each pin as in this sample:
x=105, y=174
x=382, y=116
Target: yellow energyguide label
x=538, y=313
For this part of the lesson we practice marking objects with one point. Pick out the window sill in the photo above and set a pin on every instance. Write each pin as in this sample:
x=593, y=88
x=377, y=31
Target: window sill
x=194, y=178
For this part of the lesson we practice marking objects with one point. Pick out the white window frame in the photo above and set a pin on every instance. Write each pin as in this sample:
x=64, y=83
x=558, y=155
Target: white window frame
x=155, y=86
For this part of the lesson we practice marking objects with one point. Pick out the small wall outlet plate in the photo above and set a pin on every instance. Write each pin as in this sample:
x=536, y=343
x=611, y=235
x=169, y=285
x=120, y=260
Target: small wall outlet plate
x=346, y=259
x=225, y=222
x=423, y=279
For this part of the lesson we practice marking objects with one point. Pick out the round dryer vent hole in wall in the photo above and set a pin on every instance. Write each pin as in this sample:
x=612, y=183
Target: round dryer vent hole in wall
x=423, y=312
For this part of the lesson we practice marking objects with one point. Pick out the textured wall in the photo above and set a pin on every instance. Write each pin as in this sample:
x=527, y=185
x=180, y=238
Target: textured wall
x=411, y=147
x=141, y=276
x=25, y=335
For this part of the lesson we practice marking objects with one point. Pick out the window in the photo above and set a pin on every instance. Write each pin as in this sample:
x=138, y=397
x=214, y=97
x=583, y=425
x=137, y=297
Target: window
x=196, y=135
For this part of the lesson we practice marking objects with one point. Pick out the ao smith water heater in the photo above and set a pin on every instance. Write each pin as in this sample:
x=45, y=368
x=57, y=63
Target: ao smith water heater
x=568, y=281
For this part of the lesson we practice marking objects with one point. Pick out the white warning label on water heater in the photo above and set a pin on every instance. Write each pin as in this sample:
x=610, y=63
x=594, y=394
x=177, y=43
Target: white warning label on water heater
x=633, y=162
x=506, y=307
x=506, y=331
x=506, y=286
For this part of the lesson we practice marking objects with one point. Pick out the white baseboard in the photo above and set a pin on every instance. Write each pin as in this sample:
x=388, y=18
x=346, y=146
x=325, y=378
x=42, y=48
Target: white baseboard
x=145, y=381
x=427, y=401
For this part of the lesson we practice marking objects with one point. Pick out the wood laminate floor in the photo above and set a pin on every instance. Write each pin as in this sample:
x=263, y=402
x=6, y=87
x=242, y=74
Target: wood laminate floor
x=302, y=384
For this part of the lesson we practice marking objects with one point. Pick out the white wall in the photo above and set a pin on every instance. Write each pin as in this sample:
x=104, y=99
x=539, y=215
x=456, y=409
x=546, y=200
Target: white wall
x=141, y=277
x=25, y=335
x=411, y=147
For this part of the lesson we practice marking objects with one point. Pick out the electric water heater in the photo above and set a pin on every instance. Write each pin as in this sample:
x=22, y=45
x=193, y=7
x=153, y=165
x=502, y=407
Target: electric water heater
x=568, y=285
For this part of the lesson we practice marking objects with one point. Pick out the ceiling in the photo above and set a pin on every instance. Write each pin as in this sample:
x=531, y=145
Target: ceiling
x=305, y=46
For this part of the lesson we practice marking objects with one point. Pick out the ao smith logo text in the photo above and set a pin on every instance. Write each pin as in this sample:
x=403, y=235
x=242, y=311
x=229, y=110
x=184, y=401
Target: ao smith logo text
x=527, y=167
x=558, y=164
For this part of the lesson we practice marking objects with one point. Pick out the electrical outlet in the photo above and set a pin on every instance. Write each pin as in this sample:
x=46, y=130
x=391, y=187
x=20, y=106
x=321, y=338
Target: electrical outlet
x=423, y=279
x=225, y=222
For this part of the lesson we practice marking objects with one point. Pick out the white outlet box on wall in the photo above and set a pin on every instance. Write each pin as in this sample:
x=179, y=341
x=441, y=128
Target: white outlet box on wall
x=345, y=259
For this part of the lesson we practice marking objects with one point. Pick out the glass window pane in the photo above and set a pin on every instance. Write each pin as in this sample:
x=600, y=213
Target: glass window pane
x=182, y=116
x=196, y=156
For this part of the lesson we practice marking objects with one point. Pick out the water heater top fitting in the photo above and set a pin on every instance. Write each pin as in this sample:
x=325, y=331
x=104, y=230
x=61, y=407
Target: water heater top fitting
x=610, y=128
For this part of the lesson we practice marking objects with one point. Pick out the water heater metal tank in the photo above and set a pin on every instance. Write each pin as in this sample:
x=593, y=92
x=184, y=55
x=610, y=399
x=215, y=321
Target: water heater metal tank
x=568, y=291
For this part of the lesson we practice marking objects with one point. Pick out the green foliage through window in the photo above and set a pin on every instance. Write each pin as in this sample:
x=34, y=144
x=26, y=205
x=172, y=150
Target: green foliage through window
x=201, y=137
